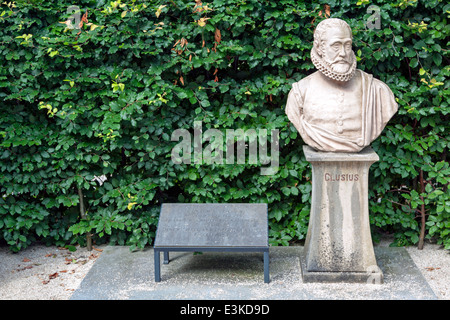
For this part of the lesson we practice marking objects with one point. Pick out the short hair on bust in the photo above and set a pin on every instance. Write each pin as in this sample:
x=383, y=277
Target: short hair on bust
x=322, y=28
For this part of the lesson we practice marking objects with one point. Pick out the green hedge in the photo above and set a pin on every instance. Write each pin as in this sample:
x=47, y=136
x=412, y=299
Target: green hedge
x=105, y=99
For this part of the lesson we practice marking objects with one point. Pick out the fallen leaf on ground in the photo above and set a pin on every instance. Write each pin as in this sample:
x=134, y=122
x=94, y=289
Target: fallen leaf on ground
x=26, y=260
x=24, y=268
x=53, y=275
x=431, y=268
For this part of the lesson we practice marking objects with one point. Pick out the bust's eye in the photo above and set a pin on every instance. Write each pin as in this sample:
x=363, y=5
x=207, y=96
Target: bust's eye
x=336, y=46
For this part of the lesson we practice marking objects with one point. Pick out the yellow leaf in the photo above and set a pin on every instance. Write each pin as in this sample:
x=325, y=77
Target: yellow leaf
x=159, y=10
x=124, y=13
x=130, y=205
x=68, y=23
x=202, y=22
x=93, y=27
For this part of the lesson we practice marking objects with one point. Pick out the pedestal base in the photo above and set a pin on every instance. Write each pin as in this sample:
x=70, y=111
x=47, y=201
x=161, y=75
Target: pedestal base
x=338, y=245
x=375, y=277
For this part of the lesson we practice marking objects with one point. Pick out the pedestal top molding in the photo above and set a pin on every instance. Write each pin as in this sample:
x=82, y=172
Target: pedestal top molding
x=367, y=154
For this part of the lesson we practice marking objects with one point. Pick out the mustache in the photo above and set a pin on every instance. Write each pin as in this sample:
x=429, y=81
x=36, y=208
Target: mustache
x=347, y=60
x=339, y=60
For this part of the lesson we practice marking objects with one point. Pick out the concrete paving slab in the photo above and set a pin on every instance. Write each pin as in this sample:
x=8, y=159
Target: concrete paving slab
x=119, y=274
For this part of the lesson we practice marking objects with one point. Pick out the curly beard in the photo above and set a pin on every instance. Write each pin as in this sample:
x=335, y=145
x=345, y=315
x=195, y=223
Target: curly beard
x=332, y=71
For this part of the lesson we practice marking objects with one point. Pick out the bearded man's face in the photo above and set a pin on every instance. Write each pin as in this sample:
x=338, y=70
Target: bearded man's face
x=337, y=49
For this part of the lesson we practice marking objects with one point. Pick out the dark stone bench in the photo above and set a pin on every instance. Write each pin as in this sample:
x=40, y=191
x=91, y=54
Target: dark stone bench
x=232, y=227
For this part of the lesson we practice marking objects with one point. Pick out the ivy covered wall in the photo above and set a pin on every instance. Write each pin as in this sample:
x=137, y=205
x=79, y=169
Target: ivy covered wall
x=95, y=90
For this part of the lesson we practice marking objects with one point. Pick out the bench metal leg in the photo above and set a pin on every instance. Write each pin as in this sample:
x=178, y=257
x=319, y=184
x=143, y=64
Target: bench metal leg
x=266, y=267
x=166, y=257
x=157, y=266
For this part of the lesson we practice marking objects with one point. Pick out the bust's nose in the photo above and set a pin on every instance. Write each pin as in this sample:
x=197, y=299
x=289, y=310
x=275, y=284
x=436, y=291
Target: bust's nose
x=342, y=52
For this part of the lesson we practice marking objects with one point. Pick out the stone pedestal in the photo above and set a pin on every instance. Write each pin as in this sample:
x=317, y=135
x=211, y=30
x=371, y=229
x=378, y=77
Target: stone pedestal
x=338, y=246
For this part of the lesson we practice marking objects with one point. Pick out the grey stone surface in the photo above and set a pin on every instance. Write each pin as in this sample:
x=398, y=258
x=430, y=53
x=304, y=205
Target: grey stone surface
x=367, y=154
x=212, y=225
x=373, y=275
x=120, y=274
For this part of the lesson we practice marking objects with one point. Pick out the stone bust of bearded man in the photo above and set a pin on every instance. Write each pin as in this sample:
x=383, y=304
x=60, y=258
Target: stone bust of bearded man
x=338, y=108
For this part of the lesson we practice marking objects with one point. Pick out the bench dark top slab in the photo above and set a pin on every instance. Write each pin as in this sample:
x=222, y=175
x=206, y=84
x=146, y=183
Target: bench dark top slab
x=212, y=225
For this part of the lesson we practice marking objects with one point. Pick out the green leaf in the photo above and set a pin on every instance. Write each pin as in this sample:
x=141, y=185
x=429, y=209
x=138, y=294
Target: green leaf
x=192, y=175
x=71, y=248
x=286, y=191
x=414, y=63
x=437, y=59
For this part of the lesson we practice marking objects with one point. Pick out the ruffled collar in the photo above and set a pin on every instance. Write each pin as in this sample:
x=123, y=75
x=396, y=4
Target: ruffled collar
x=322, y=66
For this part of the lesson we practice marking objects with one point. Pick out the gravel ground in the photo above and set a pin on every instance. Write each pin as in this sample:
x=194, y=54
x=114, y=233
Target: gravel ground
x=43, y=273
x=51, y=273
x=434, y=263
